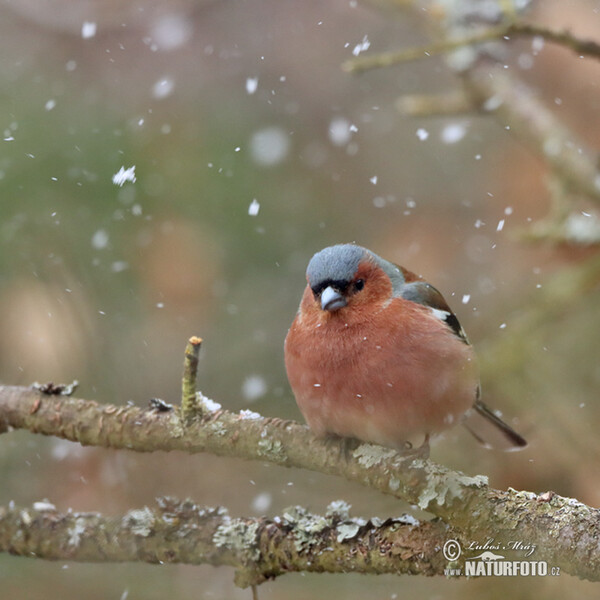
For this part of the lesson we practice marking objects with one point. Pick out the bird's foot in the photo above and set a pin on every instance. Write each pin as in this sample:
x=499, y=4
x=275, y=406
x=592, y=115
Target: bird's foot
x=421, y=451
x=277, y=422
x=344, y=445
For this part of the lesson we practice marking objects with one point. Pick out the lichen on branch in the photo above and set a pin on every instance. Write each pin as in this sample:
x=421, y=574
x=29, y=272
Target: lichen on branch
x=563, y=529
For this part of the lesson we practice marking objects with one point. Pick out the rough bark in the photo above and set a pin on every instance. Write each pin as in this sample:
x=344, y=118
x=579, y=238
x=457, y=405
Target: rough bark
x=566, y=533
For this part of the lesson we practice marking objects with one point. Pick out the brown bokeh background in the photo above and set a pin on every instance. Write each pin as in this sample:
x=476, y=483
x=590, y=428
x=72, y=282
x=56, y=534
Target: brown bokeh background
x=105, y=283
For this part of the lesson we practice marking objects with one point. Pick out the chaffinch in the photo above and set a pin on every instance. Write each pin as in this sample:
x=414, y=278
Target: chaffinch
x=376, y=354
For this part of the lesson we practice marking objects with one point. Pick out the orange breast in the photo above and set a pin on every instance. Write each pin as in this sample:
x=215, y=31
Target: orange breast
x=382, y=373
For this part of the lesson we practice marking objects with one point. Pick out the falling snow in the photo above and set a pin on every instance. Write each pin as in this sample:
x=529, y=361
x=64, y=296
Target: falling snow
x=422, y=134
x=253, y=208
x=269, y=146
x=492, y=103
x=254, y=387
x=262, y=502
x=100, y=239
x=251, y=85
x=583, y=227
x=537, y=44
x=123, y=175
x=525, y=61
x=365, y=44
x=452, y=133
x=163, y=88
x=119, y=266
x=88, y=30
x=171, y=31
x=340, y=131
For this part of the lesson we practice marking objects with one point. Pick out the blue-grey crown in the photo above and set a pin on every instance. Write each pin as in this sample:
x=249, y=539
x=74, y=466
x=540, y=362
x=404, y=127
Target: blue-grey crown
x=336, y=263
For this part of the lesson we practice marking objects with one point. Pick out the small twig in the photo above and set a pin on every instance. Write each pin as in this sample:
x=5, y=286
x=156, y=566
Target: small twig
x=190, y=407
x=386, y=59
x=427, y=105
x=577, y=229
x=563, y=38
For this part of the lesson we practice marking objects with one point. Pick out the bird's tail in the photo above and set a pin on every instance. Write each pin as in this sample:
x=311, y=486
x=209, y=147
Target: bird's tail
x=491, y=431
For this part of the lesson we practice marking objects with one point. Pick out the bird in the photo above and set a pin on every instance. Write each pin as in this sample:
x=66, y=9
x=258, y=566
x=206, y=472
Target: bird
x=375, y=354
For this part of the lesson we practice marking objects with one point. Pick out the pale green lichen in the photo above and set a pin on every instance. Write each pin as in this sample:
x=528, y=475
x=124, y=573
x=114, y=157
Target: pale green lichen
x=347, y=530
x=76, y=531
x=176, y=428
x=369, y=455
x=271, y=449
x=394, y=484
x=339, y=509
x=407, y=519
x=217, y=428
x=305, y=526
x=140, y=521
x=239, y=536
x=523, y=494
x=442, y=486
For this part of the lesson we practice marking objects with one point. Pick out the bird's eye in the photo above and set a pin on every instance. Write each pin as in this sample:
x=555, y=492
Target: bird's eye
x=359, y=284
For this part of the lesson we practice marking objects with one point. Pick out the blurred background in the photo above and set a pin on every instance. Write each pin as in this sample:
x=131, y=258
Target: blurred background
x=252, y=150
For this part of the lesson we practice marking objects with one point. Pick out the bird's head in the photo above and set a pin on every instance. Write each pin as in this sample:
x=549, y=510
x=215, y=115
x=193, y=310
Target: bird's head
x=346, y=276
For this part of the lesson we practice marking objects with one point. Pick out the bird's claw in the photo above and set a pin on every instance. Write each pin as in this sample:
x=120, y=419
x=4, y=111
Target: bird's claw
x=421, y=451
x=277, y=422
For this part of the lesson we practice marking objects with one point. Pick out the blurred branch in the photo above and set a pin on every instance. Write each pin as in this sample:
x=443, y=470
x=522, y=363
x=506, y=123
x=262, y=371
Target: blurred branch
x=427, y=105
x=258, y=548
x=482, y=35
x=519, y=109
x=388, y=59
x=563, y=225
x=491, y=88
x=563, y=530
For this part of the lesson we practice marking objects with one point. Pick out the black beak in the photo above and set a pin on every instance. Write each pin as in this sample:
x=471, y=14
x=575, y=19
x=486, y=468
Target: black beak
x=332, y=300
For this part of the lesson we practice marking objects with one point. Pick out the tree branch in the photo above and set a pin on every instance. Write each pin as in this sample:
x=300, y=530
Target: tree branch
x=563, y=530
x=493, y=90
x=480, y=36
x=258, y=548
x=520, y=109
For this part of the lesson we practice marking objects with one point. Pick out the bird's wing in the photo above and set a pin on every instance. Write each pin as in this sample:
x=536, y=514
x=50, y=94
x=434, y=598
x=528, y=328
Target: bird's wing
x=421, y=292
